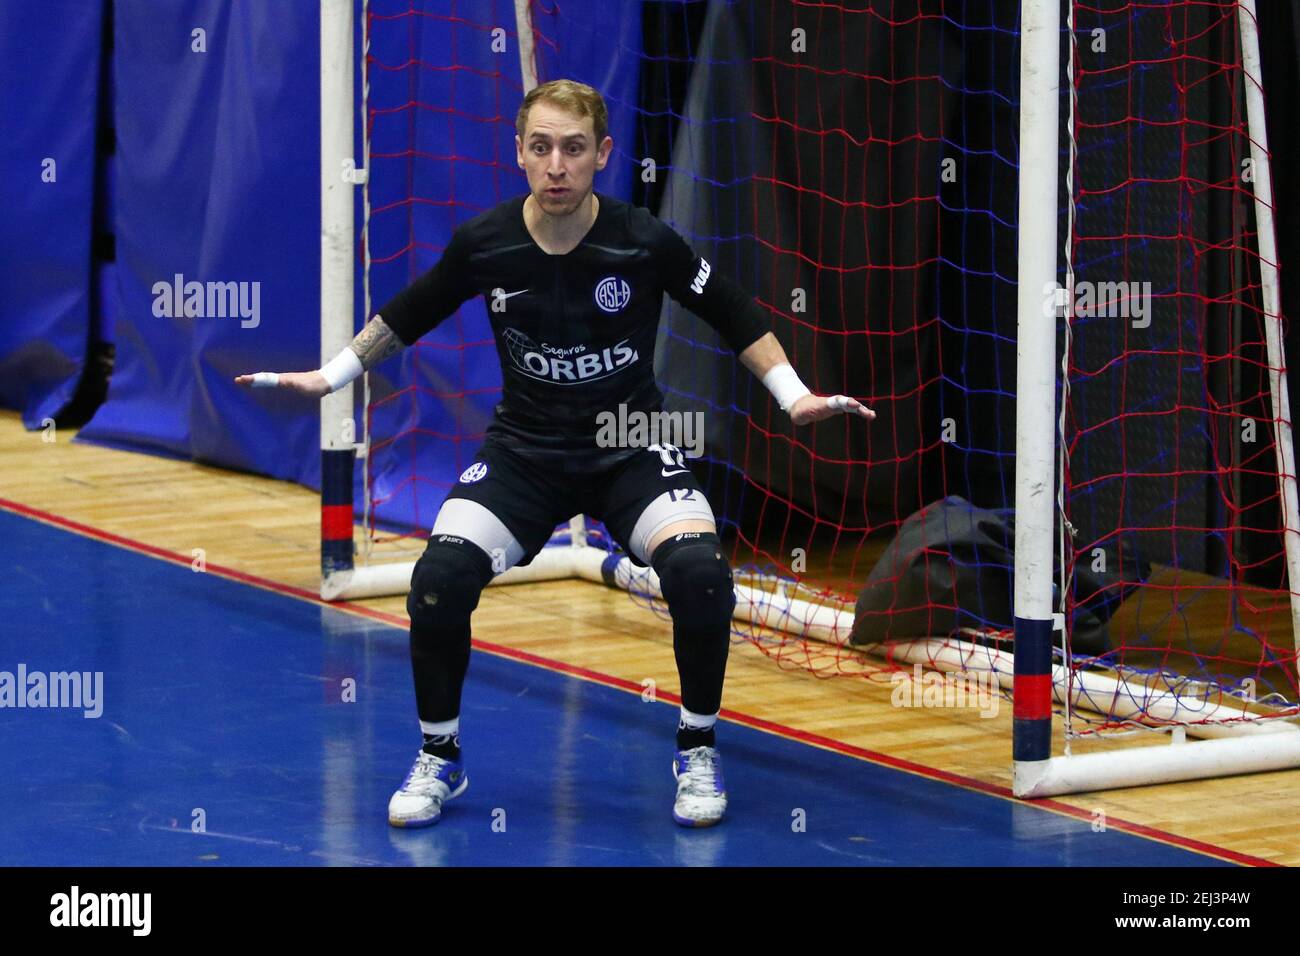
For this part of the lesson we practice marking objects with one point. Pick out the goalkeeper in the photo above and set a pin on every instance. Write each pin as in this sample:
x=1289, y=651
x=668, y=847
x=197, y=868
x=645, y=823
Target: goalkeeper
x=574, y=282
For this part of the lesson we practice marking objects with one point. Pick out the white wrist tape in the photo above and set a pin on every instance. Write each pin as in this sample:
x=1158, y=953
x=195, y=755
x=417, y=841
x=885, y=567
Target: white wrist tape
x=784, y=384
x=265, y=379
x=342, y=369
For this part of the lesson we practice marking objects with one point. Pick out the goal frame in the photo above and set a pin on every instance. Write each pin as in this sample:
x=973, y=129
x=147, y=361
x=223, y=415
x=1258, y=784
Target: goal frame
x=1270, y=746
x=1246, y=745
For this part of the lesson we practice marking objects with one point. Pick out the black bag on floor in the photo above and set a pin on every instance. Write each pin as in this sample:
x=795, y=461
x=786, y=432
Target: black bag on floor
x=950, y=566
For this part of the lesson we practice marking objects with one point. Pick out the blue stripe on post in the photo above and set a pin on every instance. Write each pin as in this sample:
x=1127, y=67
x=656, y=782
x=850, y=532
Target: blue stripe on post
x=336, y=477
x=1031, y=734
x=1031, y=739
x=1033, y=646
x=335, y=556
x=336, y=469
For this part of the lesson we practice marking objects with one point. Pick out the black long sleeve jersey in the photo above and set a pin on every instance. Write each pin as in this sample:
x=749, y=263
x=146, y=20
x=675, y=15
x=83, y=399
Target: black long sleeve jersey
x=575, y=333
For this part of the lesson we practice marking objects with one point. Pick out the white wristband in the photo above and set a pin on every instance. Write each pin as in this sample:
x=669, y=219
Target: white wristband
x=342, y=369
x=783, y=382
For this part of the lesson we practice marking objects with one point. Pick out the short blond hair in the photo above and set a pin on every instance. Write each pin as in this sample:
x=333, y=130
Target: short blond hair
x=571, y=96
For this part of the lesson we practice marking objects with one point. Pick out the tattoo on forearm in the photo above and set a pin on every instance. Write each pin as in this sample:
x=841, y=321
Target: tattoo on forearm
x=375, y=343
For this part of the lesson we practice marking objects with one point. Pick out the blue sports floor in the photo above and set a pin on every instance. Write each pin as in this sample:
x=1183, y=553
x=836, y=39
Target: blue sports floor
x=222, y=703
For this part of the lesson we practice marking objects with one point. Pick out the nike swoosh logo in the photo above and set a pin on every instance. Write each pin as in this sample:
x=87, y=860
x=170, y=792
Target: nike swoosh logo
x=669, y=474
x=502, y=294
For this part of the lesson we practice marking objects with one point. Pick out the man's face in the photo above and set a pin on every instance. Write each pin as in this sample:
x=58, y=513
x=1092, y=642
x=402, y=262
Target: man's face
x=560, y=156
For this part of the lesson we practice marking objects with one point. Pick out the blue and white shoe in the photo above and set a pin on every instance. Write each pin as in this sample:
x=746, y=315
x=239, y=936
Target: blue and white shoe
x=432, y=781
x=701, y=794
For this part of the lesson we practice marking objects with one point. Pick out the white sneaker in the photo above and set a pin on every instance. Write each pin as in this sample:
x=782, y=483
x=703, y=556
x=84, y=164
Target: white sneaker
x=701, y=794
x=431, y=781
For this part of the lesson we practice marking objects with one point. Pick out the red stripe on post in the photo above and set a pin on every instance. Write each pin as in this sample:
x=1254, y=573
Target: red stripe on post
x=1032, y=697
x=336, y=523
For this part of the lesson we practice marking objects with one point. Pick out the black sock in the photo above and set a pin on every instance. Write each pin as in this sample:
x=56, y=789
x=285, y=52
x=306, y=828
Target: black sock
x=689, y=738
x=446, y=746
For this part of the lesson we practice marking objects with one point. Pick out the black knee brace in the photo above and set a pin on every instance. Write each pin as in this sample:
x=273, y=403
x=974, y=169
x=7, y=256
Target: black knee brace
x=695, y=578
x=445, y=589
x=446, y=584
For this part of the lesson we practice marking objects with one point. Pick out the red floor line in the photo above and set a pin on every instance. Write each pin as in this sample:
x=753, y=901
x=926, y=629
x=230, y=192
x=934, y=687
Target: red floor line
x=573, y=670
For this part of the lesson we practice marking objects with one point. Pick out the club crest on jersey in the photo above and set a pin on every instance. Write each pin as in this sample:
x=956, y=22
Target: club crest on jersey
x=475, y=472
x=612, y=293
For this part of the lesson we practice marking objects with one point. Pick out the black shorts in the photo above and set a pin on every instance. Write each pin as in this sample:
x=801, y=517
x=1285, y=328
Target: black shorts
x=634, y=492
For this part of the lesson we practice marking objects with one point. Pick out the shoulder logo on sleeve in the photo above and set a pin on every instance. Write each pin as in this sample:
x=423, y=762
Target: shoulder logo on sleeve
x=473, y=473
x=612, y=293
x=701, y=277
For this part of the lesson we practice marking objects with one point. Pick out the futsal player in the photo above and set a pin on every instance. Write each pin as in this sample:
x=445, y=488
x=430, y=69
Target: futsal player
x=574, y=283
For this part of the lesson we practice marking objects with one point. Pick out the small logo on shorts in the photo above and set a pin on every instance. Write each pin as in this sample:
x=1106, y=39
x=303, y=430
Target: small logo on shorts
x=451, y=538
x=689, y=534
x=612, y=293
x=671, y=456
x=473, y=473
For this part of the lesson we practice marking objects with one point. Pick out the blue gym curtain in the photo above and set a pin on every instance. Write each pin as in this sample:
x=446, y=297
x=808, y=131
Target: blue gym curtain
x=217, y=119
x=49, y=78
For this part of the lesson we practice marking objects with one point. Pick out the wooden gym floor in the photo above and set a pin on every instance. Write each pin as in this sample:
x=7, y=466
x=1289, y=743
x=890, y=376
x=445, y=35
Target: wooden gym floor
x=270, y=530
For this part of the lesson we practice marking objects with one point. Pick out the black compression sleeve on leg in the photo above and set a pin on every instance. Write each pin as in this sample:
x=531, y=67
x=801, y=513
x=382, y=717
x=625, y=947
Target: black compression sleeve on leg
x=695, y=578
x=445, y=588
